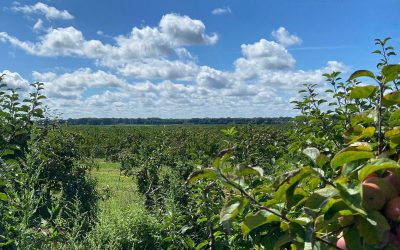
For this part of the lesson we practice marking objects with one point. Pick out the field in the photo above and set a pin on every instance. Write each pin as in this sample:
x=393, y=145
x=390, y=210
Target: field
x=328, y=179
x=142, y=173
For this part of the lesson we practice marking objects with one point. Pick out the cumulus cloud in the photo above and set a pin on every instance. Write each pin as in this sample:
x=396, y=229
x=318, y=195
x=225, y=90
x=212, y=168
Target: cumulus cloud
x=212, y=79
x=51, y=13
x=151, y=72
x=142, y=47
x=183, y=30
x=14, y=80
x=262, y=56
x=221, y=11
x=58, y=42
x=160, y=69
x=72, y=85
x=283, y=37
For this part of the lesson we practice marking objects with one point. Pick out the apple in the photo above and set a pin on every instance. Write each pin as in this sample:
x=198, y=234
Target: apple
x=386, y=186
x=373, y=197
x=392, y=209
x=341, y=243
x=393, y=178
x=371, y=176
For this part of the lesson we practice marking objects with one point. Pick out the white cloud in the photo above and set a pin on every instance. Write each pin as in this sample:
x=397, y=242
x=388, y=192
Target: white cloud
x=221, y=11
x=262, y=56
x=58, y=42
x=38, y=25
x=283, y=37
x=14, y=80
x=72, y=85
x=182, y=30
x=160, y=69
x=51, y=13
x=212, y=79
x=132, y=54
x=164, y=79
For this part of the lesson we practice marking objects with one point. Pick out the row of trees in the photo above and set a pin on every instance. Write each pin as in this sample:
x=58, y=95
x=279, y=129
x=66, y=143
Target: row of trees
x=171, y=121
x=45, y=193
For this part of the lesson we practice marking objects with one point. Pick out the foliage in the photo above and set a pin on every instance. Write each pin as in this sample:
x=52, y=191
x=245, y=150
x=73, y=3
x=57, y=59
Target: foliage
x=300, y=209
x=43, y=175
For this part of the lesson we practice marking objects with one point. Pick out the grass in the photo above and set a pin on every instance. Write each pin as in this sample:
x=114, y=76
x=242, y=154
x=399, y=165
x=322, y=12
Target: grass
x=123, y=221
x=121, y=189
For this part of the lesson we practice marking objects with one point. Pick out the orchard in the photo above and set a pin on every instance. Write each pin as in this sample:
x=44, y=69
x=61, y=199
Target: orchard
x=345, y=193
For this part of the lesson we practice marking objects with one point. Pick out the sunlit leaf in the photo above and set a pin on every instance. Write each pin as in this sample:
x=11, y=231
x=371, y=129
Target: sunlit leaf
x=363, y=92
x=376, y=165
x=391, y=98
x=348, y=156
x=258, y=219
x=390, y=72
x=394, y=119
x=360, y=73
x=203, y=173
x=3, y=197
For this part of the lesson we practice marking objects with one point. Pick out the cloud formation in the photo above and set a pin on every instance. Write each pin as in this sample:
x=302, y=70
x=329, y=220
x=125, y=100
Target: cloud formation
x=283, y=37
x=221, y=11
x=51, y=13
x=151, y=72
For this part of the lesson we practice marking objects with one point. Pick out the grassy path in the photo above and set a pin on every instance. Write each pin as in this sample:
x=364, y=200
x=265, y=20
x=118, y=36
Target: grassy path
x=123, y=221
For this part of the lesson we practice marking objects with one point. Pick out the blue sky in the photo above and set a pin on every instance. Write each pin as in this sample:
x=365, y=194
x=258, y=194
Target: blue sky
x=182, y=59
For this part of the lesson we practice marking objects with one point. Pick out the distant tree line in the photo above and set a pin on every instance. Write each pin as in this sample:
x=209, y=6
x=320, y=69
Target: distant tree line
x=170, y=121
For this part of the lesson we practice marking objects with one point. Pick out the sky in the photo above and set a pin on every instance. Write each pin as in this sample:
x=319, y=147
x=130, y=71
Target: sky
x=187, y=58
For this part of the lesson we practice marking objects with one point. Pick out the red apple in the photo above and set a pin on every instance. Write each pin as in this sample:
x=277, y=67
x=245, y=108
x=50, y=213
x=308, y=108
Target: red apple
x=393, y=178
x=341, y=243
x=386, y=186
x=392, y=209
x=372, y=196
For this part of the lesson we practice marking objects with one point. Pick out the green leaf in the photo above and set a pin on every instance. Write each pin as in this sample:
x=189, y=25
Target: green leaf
x=7, y=152
x=394, y=119
x=373, y=228
x=391, y=99
x=351, y=197
x=3, y=197
x=335, y=207
x=360, y=73
x=390, y=72
x=258, y=219
x=366, y=133
x=349, y=155
x=247, y=170
x=363, y=118
x=232, y=208
x=322, y=160
x=320, y=197
x=376, y=165
x=393, y=135
x=290, y=182
x=202, y=245
x=312, y=153
x=363, y=92
x=352, y=238
x=203, y=173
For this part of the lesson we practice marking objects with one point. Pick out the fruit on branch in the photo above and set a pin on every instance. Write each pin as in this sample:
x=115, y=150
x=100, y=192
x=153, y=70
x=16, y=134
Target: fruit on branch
x=385, y=185
x=393, y=178
x=373, y=197
x=392, y=209
x=341, y=243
